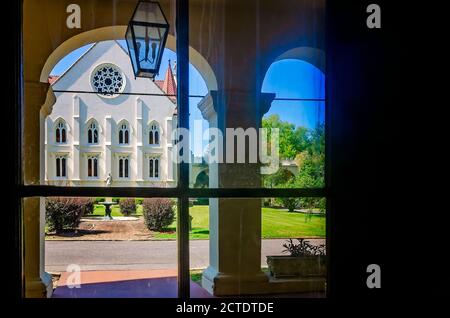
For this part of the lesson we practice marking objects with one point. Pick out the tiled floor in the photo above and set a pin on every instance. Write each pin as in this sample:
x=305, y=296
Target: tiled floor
x=137, y=284
x=124, y=284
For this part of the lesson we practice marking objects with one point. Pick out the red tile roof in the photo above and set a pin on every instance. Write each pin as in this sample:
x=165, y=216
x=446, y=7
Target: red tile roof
x=169, y=85
x=52, y=79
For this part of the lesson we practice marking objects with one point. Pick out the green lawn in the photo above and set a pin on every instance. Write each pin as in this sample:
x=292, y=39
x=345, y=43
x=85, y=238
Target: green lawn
x=99, y=210
x=276, y=223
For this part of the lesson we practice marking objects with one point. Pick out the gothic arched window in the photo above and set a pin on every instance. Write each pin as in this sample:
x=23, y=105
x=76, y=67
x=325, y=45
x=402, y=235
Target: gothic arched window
x=92, y=133
x=153, y=134
x=92, y=166
x=153, y=168
x=124, y=133
x=61, y=132
x=61, y=171
x=123, y=167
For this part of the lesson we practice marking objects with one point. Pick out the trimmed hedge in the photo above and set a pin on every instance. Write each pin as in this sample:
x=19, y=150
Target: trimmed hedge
x=65, y=213
x=127, y=206
x=158, y=213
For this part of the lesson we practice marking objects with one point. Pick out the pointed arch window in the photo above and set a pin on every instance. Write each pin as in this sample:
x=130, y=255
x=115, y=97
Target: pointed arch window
x=61, y=132
x=92, y=133
x=124, y=134
x=61, y=167
x=153, y=134
x=92, y=167
x=124, y=167
x=153, y=168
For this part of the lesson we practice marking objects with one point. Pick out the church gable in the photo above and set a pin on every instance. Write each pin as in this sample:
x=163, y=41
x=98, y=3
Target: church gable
x=83, y=74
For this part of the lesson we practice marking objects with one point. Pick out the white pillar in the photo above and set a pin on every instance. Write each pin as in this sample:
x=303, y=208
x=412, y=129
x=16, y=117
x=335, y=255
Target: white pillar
x=235, y=224
x=169, y=148
x=108, y=144
x=76, y=129
x=139, y=139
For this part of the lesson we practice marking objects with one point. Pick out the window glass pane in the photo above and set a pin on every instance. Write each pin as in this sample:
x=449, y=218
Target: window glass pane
x=88, y=84
x=95, y=168
x=63, y=167
x=78, y=236
x=275, y=241
x=58, y=167
x=257, y=94
x=89, y=167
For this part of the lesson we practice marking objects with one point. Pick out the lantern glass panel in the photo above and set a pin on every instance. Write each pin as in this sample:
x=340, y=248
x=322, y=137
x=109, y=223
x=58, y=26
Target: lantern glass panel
x=131, y=50
x=149, y=12
x=148, y=41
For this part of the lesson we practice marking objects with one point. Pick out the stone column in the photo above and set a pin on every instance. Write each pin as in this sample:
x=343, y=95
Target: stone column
x=38, y=100
x=235, y=224
x=76, y=133
x=169, y=148
x=139, y=140
x=108, y=145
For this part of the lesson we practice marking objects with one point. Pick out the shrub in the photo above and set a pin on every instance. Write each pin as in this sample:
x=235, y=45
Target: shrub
x=303, y=248
x=65, y=213
x=139, y=200
x=202, y=201
x=99, y=199
x=115, y=200
x=127, y=206
x=158, y=213
x=89, y=205
x=289, y=203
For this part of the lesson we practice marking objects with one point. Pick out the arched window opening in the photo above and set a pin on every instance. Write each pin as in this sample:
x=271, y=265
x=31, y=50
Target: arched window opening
x=93, y=133
x=60, y=133
x=153, y=168
x=93, y=167
x=153, y=135
x=61, y=171
x=123, y=167
x=124, y=138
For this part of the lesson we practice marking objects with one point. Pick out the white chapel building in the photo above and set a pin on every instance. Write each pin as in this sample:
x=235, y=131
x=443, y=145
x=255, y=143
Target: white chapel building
x=102, y=131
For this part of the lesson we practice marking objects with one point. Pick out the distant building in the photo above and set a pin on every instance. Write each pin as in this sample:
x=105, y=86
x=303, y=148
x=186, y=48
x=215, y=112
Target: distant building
x=95, y=130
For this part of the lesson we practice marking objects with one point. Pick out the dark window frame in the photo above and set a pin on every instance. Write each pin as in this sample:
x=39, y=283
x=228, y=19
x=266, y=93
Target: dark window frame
x=182, y=192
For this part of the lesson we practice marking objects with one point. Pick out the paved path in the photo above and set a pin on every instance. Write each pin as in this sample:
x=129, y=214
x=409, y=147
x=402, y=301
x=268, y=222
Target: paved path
x=135, y=255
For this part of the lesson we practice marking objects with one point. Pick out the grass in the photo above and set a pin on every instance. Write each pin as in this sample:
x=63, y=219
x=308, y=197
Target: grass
x=99, y=210
x=276, y=223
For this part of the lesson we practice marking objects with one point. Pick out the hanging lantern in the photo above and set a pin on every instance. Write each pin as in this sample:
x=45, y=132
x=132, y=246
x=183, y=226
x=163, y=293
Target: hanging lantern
x=146, y=38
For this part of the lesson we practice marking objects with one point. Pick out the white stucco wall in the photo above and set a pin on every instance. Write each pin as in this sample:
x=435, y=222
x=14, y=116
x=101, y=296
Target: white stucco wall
x=78, y=109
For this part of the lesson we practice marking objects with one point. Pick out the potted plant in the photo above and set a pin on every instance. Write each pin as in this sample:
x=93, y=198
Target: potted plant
x=305, y=260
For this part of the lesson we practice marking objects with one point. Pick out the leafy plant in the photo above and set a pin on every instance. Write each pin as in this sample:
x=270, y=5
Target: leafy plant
x=158, y=213
x=65, y=213
x=99, y=199
x=303, y=248
x=127, y=206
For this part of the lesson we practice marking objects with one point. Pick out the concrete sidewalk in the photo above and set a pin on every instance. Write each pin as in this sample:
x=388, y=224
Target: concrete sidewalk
x=136, y=255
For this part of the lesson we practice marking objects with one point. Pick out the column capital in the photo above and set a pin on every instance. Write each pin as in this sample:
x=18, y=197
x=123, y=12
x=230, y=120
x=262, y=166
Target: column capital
x=236, y=101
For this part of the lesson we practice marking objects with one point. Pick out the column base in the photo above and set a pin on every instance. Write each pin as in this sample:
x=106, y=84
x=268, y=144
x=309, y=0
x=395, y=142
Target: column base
x=219, y=284
x=39, y=287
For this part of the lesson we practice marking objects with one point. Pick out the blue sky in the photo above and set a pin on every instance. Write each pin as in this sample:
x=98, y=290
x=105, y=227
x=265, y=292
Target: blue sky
x=286, y=78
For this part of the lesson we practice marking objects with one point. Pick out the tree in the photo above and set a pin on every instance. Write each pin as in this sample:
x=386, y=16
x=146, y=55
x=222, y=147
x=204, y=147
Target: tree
x=311, y=165
x=292, y=139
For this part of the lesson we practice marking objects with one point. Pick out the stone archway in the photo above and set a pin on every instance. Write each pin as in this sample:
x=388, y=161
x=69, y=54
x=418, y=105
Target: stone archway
x=217, y=28
x=79, y=40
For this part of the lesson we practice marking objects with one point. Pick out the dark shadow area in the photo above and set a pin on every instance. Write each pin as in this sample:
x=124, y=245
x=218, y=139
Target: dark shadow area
x=164, y=287
x=76, y=233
